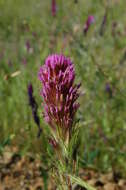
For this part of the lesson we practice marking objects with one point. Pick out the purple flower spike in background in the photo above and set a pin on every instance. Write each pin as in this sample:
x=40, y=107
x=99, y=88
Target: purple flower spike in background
x=58, y=91
x=53, y=8
x=88, y=23
x=104, y=20
x=34, y=107
x=28, y=45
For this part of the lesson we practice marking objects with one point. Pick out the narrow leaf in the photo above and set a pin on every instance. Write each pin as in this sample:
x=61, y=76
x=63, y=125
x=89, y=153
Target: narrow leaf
x=80, y=182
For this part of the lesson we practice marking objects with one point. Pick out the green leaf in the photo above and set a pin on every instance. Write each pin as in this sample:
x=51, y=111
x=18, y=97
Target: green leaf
x=7, y=141
x=80, y=182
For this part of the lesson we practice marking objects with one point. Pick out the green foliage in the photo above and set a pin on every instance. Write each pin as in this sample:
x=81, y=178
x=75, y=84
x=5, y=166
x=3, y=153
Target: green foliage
x=81, y=182
x=6, y=142
x=98, y=59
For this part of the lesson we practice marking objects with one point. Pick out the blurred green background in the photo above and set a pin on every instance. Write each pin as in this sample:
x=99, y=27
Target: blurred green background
x=28, y=34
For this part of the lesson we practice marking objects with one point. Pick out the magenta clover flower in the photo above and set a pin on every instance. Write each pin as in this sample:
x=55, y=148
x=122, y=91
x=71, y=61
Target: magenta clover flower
x=53, y=8
x=90, y=20
x=58, y=91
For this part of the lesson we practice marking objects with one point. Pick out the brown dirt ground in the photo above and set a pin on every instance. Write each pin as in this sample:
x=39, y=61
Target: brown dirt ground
x=24, y=173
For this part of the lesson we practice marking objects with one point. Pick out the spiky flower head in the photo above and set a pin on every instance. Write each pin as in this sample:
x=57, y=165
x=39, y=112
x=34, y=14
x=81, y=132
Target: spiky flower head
x=58, y=91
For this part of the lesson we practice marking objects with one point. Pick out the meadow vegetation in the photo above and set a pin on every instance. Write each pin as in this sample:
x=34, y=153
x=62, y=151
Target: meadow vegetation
x=28, y=34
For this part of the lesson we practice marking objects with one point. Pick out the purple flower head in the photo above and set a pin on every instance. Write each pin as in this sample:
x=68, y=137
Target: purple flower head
x=30, y=95
x=90, y=20
x=53, y=8
x=58, y=91
x=30, y=89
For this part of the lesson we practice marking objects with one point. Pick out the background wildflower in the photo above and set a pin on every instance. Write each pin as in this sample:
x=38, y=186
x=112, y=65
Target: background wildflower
x=104, y=20
x=28, y=45
x=88, y=23
x=53, y=8
x=34, y=106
